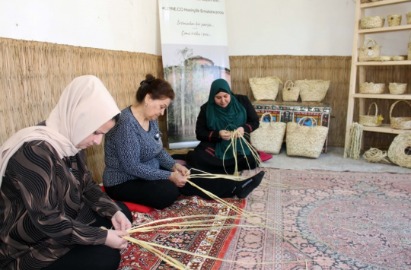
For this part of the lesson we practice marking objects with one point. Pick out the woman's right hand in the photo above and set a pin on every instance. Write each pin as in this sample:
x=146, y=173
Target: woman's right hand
x=225, y=134
x=115, y=239
x=178, y=179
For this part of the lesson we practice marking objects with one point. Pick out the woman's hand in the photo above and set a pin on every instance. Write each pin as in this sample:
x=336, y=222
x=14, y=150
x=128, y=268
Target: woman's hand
x=181, y=169
x=115, y=239
x=120, y=221
x=178, y=179
x=225, y=134
x=240, y=132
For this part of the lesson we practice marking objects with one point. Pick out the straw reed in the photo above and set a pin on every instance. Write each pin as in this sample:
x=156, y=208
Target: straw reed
x=400, y=150
x=376, y=155
x=353, y=147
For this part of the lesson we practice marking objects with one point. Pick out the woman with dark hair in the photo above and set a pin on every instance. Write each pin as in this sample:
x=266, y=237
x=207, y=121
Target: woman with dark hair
x=138, y=168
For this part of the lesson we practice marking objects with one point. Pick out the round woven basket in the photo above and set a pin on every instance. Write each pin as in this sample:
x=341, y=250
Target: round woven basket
x=372, y=22
x=397, y=88
x=399, y=151
x=400, y=122
x=372, y=88
x=371, y=120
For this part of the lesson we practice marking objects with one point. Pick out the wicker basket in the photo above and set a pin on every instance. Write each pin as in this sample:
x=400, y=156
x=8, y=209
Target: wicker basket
x=265, y=88
x=372, y=88
x=408, y=15
x=400, y=122
x=397, y=88
x=305, y=141
x=372, y=22
x=312, y=90
x=399, y=150
x=269, y=136
x=290, y=91
x=371, y=120
x=394, y=19
x=369, y=51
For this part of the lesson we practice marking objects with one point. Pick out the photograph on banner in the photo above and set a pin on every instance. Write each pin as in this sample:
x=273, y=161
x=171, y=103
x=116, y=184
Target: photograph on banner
x=194, y=54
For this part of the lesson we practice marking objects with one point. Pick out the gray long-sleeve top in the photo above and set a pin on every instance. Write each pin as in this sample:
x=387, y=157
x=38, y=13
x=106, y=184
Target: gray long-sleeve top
x=134, y=153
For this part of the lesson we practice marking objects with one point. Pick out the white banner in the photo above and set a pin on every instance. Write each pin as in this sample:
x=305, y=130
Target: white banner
x=194, y=54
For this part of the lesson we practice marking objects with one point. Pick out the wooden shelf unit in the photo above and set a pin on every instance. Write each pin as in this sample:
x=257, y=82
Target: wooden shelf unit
x=358, y=69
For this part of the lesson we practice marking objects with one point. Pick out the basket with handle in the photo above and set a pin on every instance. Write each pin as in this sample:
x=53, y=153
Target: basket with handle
x=269, y=136
x=290, y=91
x=265, y=88
x=403, y=122
x=303, y=140
x=369, y=50
x=371, y=120
x=312, y=90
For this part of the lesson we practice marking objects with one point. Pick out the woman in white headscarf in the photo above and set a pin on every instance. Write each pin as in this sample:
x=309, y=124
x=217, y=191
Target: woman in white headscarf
x=51, y=210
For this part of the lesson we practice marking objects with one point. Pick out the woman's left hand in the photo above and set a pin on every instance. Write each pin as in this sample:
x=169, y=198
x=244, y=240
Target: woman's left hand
x=181, y=169
x=120, y=221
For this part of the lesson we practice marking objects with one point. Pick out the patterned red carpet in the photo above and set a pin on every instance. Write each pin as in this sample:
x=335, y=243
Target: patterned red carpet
x=326, y=220
x=213, y=242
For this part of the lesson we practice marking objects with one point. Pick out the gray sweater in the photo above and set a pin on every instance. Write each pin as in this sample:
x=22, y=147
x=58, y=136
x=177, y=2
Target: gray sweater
x=133, y=153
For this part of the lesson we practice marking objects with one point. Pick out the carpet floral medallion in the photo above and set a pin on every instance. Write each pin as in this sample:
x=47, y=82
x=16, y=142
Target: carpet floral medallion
x=213, y=242
x=325, y=220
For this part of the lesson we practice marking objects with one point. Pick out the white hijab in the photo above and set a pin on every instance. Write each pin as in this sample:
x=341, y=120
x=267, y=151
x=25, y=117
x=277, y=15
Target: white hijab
x=84, y=106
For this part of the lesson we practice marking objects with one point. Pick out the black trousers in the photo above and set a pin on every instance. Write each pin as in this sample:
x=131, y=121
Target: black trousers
x=86, y=257
x=202, y=160
x=158, y=194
